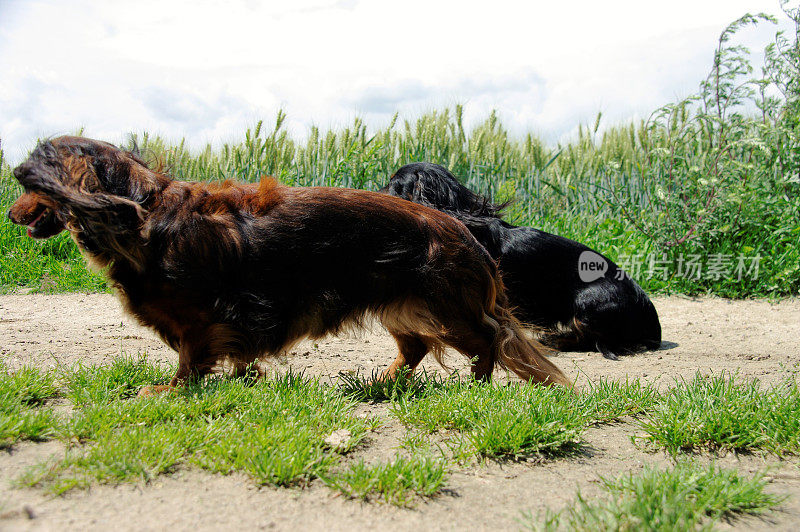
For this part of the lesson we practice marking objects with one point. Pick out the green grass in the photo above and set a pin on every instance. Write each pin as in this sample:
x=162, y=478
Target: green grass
x=606, y=401
x=272, y=429
x=721, y=413
x=27, y=386
x=22, y=415
x=372, y=388
x=275, y=430
x=399, y=481
x=121, y=379
x=499, y=421
x=686, y=497
x=25, y=424
x=129, y=454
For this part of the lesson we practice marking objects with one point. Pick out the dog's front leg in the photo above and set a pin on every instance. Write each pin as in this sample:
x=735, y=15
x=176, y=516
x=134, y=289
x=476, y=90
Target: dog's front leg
x=181, y=376
x=194, y=363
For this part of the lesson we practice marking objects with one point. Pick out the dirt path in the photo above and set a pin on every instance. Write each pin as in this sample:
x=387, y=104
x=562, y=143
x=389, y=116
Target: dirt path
x=755, y=338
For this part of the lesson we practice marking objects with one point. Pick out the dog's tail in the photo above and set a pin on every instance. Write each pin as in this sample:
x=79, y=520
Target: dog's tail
x=513, y=348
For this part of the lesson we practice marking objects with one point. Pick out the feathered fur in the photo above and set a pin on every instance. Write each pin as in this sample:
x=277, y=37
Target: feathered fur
x=242, y=271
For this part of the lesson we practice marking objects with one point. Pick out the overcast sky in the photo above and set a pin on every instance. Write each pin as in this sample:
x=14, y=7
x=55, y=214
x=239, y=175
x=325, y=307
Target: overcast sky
x=206, y=70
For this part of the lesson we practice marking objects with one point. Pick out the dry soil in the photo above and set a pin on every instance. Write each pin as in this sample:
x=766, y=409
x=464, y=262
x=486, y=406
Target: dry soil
x=754, y=338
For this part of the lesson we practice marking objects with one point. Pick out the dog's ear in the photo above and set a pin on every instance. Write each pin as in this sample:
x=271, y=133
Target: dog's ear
x=113, y=176
x=113, y=210
x=119, y=173
x=111, y=171
x=46, y=171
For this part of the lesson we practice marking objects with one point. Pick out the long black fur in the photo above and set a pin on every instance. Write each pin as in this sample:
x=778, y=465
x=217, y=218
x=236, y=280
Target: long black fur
x=612, y=314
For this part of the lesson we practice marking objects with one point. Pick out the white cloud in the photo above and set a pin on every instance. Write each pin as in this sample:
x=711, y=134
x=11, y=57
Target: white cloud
x=206, y=70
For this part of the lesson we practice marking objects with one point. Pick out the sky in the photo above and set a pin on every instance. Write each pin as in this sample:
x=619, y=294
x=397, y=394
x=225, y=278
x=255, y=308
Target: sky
x=206, y=70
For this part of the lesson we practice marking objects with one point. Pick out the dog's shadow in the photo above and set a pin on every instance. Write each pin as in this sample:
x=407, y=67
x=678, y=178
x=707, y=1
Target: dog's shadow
x=667, y=345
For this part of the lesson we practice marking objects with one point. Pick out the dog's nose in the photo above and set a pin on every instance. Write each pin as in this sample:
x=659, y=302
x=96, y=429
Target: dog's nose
x=10, y=216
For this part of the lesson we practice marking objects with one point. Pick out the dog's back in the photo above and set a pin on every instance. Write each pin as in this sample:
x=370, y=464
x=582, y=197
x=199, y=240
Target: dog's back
x=434, y=186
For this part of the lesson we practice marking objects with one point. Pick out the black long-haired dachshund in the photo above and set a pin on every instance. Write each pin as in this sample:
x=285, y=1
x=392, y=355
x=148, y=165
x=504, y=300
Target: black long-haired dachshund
x=581, y=298
x=240, y=271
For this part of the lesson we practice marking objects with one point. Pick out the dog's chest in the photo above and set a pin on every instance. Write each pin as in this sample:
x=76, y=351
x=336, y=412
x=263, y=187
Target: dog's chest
x=170, y=315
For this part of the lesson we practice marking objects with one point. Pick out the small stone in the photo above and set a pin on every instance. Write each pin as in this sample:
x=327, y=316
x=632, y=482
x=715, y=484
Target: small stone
x=338, y=438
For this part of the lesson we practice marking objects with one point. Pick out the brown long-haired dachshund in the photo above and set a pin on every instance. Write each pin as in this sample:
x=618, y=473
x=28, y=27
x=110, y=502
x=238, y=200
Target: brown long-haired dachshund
x=240, y=271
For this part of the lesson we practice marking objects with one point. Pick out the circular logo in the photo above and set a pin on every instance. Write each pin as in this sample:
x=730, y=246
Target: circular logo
x=591, y=266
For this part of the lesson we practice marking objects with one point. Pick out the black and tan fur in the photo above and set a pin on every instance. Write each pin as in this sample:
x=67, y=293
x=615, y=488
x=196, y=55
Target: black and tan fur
x=610, y=314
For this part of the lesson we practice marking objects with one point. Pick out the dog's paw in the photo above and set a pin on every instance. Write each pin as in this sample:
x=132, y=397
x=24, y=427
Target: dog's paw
x=607, y=353
x=150, y=391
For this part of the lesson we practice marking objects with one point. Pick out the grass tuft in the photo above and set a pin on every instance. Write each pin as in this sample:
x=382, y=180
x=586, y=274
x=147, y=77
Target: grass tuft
x=122, y=378
x=500, y=421
x=606, y=401
x=686, y=497
x=27, y=386
x=406, y=384
x=397, y=482
x=273, y=429
x=21, y=392
x=719, y=413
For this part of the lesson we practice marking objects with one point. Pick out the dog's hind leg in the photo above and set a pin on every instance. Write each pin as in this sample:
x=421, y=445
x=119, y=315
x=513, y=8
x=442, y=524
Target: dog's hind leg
x=412, y=349
x=246, y=370
x=476, y=346
x=469, y=335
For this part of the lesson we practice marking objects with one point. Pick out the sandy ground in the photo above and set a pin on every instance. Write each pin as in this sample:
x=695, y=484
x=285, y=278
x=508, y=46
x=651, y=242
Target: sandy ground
x=756, y=338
